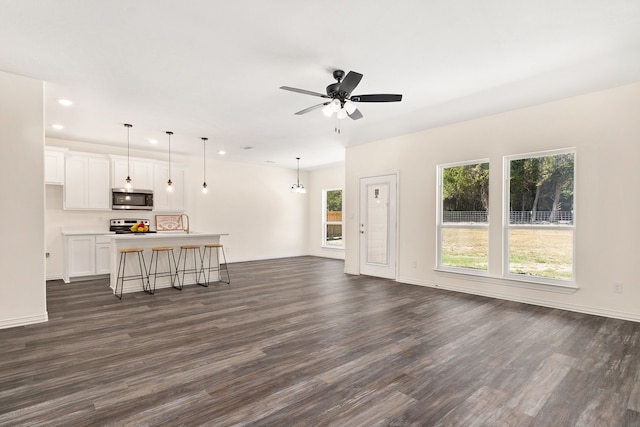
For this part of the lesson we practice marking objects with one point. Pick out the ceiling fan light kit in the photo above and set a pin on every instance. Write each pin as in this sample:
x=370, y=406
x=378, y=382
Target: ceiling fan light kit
x=341, y=101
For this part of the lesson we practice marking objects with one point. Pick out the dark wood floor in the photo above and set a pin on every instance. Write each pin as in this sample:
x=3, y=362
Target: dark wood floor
x=297, y=342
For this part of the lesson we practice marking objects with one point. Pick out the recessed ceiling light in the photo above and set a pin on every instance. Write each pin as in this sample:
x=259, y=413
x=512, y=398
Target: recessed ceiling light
x=222, y=152
x=65, y=102
x=247, y=148
x=269, y=161
x=57, y=126
x=152, y=141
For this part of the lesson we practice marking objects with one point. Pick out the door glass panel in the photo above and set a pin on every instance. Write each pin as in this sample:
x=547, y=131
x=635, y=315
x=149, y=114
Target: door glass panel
x=377, y=232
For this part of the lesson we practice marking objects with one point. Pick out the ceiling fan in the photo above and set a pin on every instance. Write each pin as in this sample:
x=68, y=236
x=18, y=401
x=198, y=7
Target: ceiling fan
x=341, y=101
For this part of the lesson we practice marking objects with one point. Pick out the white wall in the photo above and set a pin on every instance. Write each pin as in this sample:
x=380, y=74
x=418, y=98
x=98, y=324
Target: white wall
x=22, y=287
x=252, y=203
x=605, y=129
x=321, y=179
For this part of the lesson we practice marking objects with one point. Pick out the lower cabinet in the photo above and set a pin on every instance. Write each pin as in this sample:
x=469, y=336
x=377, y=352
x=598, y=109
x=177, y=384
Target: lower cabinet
x=103, y=244
x=85, y=256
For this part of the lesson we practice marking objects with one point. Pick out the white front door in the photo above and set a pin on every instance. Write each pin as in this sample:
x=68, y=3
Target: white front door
x=378, y=212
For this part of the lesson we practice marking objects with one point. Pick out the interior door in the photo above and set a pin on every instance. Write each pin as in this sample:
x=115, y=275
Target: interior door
x=378, y=216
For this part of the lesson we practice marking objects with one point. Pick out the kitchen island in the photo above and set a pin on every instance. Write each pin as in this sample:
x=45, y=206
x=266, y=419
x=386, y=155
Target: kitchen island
x=147, y=241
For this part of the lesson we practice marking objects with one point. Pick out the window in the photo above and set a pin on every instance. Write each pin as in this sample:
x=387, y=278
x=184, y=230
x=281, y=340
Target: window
x=332, y=218
x=539, y=220
x=463, y=220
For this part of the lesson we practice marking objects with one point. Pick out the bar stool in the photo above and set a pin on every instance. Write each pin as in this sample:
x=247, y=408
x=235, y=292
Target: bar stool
x=121, y=278
x=218, y=266
x=173, y=267
x=197, y=263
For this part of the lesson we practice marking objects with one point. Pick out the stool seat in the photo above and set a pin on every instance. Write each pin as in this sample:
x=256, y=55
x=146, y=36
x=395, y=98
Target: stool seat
x=162, y=248
x=190, y=247
x=213, y=245
x=130, y=250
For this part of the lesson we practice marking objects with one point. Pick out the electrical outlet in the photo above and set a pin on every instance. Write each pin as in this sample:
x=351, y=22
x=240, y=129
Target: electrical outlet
x=414, y=264
x=618, y=288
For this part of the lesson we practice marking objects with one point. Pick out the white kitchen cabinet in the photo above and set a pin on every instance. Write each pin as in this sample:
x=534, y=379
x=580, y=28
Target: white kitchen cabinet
x=54, y=165
x=86, y=182
x=80, y=256
x=103, y=261
x=162, y=199
x=139, y=170
x=86, y=255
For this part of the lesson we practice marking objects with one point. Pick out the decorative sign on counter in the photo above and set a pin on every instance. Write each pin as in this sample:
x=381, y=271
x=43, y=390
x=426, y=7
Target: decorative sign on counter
x=169, y=223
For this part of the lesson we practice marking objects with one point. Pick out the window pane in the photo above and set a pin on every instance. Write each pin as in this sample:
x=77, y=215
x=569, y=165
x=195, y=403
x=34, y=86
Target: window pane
x=334, y=235
x=332, y=218
x=541, y=252
x=377, y=234
x=465, y=194
x=334, y=206
x=465, y=247
x=541, y=190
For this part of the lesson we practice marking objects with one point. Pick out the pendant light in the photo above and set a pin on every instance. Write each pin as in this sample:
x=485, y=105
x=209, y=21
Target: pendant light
x=169, y=183
x=204, y=165
x=128, y=185
x=297, y=187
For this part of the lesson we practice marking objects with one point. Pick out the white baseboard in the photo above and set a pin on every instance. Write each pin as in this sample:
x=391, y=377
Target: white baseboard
x=23, y=321
x=526, y=300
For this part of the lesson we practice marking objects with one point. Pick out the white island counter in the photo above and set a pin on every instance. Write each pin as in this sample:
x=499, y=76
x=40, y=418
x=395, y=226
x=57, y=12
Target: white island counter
x=147, y=241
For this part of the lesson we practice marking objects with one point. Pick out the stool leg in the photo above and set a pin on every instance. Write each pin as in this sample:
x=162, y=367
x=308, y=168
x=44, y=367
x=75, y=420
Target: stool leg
x=209, y=267
x=228, y=282
x=175, y=265
x=155, y=274
x=178, y=265
x=120, y=278
x=142, y=271
x=198, y=271
x=205, y=282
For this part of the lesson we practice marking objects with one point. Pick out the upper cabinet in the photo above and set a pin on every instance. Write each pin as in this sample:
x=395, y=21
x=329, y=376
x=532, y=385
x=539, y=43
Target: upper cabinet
x=139, y=170
x=163, y=200
x=86, y=181
x=54, y=165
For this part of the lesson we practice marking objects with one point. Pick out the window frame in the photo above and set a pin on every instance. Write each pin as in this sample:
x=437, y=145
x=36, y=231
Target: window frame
x=325, y=223
x=507, y=226
x=440, y=225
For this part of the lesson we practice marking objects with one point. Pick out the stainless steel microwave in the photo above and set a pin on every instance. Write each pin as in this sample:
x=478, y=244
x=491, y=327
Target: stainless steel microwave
x=139, y=200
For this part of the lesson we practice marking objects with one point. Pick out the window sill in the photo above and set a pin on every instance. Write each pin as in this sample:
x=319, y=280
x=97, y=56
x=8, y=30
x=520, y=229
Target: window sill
x=525, y=282
x=335, y=248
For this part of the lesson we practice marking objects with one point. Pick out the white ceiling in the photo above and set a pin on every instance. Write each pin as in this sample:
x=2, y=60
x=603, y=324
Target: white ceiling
x=214, y=68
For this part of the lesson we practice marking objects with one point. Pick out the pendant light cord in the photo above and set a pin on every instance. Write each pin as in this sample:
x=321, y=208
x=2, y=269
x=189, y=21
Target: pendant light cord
x=169, y=133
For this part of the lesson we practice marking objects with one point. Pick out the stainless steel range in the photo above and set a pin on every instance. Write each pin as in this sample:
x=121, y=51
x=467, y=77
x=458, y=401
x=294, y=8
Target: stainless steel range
x=123, y=226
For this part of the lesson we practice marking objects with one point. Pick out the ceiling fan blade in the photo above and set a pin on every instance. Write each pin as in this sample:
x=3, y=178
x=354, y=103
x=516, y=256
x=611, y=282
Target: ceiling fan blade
x=379, y=97
x=306, y=92
x=349, y=83
x=315, y=107
x=355, y=115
